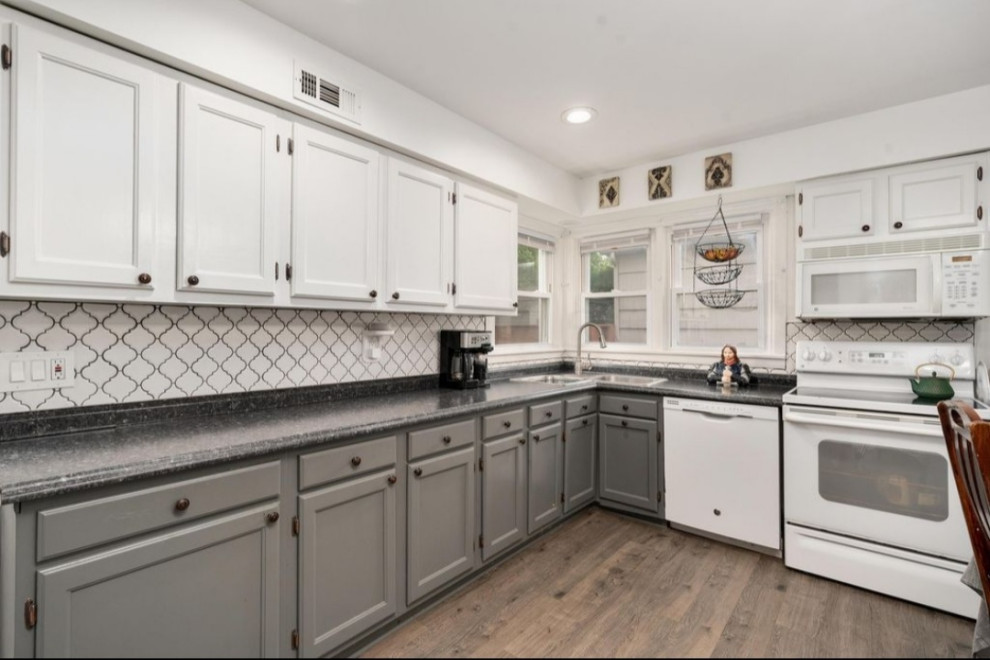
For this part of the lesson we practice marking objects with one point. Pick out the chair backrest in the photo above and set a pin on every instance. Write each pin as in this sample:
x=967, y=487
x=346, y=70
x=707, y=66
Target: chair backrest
x=967, y=439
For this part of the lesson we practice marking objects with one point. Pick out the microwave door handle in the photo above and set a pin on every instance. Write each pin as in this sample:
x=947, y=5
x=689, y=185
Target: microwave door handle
x=822, y=420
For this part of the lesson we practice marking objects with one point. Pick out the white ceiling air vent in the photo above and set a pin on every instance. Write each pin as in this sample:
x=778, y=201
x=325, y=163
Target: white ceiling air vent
x=326, y=93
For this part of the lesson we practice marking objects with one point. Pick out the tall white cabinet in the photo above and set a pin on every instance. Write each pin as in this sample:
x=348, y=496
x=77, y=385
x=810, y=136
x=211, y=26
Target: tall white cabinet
x=336, y=224
x=232, y=191
x=86, y=165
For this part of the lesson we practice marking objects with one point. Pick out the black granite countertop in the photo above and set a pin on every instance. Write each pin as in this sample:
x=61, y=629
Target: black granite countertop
x=37, y=467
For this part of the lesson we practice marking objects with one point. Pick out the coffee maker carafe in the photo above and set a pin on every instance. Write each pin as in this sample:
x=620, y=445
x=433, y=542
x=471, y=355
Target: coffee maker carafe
x=464, y=359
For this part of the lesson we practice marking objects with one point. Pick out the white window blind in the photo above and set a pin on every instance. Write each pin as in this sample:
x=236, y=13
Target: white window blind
x=536, y=241
x=615, y=242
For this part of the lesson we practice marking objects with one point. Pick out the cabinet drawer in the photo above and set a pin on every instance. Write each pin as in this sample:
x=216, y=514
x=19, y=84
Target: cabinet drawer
x=545, y=413
x=502, y=423
x=582, y=405
x=77, y=526
x=631, y=406
x=432, y=440
x=348, y=461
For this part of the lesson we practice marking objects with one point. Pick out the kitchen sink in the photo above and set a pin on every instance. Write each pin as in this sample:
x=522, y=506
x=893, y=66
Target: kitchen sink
x=624, y=379
x=555, y=379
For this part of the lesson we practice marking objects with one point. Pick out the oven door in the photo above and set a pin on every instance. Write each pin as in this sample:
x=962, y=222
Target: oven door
x=869, y=287
x=878, y=477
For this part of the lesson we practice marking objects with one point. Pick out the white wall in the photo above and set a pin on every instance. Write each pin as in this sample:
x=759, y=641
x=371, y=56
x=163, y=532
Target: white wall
x=232, y=44
x=940, y=126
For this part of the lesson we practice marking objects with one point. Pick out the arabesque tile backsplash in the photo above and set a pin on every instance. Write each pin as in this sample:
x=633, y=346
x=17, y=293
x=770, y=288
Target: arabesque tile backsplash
x=129, y=353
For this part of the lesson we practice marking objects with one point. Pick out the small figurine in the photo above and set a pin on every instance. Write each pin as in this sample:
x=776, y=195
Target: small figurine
x=729, y=369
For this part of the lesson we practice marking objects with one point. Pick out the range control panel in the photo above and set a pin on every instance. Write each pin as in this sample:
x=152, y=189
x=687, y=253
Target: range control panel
x=946, y=359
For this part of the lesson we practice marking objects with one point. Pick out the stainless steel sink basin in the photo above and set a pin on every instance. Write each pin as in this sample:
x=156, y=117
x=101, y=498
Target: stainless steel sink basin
x=554, y=379
x=624, y=379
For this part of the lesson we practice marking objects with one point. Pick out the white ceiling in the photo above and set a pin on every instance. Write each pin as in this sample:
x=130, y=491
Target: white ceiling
x=666, y=76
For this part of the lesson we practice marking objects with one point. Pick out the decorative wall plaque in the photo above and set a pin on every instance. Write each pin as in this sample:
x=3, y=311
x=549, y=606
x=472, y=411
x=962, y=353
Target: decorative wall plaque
x=608, y=193
x=659, y=182
x=718, y=171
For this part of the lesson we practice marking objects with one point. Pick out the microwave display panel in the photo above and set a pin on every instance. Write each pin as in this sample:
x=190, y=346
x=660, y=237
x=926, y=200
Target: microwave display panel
x=865, y=287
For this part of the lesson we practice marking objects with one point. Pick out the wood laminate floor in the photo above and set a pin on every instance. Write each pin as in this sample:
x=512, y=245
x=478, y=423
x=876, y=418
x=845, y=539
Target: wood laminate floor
x=603, y=584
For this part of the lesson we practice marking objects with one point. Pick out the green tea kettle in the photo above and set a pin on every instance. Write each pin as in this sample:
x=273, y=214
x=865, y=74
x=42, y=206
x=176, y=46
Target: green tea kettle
x=933, y=387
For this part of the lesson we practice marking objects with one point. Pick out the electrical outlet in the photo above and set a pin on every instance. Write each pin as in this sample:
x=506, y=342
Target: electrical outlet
x=34, y=370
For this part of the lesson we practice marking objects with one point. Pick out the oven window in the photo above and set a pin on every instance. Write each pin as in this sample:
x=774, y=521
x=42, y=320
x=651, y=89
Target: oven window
x=911, y=483
x=865, y=288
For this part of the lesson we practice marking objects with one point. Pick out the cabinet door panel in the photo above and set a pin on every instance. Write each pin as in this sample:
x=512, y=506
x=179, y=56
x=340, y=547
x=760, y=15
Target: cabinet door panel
x=838, y=209
x=580, y=449
x=84, y=170
x=347, y=561
x=628, y=464
x=503, y=497
x=420, y=224
x=545, y=476
x=440, y=521
x=231, y=197
x=335, y=219
x=485, y=239
x=209, y=590
x=933, y=196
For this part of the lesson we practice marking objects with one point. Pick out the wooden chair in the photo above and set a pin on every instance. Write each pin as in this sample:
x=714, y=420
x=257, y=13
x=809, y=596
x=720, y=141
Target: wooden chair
x=967, y=439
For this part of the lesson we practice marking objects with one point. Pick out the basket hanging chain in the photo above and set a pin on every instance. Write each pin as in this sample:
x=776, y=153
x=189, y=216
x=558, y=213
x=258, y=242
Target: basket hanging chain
x=718, y=213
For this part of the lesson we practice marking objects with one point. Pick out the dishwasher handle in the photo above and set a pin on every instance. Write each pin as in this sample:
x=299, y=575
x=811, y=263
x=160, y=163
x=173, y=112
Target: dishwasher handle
x=719, y=416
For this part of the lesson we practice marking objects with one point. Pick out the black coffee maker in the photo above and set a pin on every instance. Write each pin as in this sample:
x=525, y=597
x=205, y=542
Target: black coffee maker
x=464, y=358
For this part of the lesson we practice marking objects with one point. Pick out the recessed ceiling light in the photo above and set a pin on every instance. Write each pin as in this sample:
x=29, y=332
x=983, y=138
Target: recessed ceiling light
x=579, y=115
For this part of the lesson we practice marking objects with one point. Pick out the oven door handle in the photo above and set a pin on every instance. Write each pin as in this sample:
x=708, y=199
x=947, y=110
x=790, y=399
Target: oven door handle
x=831, y=420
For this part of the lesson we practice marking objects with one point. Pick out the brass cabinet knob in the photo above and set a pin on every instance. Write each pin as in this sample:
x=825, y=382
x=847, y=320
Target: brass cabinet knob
x=522, y=441
x=625, y=423
x=144, y=278
x=549, y=413
x=392, y=479
x=193, y=280
x=418, y=472
x=356, y=461
x=182, y=504
x=536, y=438
x=272, y=517
x=446, y=439
x=506, y=424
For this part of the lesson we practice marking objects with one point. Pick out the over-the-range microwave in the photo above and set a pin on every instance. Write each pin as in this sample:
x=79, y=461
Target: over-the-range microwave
x=937, y=284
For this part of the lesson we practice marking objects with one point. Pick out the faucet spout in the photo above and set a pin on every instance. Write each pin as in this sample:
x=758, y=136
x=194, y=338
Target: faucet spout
x=601, y=342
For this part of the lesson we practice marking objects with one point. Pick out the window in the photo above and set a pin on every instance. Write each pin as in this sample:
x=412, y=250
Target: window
x=695, y=326
x=614, y=289
x=532, y=325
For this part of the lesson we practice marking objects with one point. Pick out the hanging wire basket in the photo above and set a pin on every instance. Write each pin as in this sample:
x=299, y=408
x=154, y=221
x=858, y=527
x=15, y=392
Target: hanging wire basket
x=719, y=298
x=717, y=275
x=720, y=251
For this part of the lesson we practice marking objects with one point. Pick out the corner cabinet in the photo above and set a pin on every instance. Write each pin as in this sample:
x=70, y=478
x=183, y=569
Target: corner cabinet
x=485, y=224
x=88, y=167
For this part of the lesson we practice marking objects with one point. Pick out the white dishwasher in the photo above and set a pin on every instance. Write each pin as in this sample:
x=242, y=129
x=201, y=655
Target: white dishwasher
x=722, y=469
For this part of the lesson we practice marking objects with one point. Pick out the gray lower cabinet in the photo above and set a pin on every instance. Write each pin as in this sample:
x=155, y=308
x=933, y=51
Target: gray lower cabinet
x=347, y=549
x=503, y=494
x=580, y=449
x=546, y=475
x=209, y=589
x=440, y=521
x=628, y=461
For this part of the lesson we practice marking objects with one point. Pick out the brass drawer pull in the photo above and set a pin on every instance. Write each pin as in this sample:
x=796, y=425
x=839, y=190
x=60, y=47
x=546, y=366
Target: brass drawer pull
x=446, y=439
x=144, y=278
x=506, y=424
x=549, y=413
x=356, y=461
x=182, y=504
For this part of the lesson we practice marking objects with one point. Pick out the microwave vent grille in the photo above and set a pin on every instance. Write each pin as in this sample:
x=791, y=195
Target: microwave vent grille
x=912, y=246
x=326, y=93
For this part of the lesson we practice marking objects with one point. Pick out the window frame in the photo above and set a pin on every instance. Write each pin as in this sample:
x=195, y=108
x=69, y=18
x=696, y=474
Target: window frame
x=544, y=292
x=618, y=243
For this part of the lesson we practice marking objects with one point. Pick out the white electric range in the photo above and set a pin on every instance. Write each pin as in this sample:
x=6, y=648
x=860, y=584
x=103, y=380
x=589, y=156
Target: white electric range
x=869, y=495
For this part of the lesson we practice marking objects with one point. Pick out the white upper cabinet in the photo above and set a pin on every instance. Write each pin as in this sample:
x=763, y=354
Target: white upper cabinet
x=86, y=169
x=485, y=230
x=837, y=208
x=939, y=195
x=233, y=192
x=419, y=228
x=336, y=222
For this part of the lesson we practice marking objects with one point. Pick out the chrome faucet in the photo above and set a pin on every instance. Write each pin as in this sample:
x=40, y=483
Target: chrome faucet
x=601, y=341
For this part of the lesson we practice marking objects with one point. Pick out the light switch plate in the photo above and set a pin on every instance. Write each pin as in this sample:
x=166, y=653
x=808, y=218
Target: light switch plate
x=36, y=370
